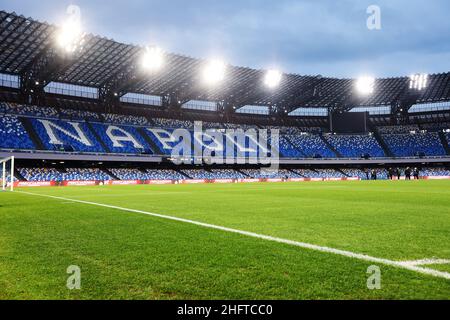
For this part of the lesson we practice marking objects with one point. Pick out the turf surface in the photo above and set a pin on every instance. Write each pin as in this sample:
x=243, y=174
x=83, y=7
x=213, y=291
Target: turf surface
x=135, y=256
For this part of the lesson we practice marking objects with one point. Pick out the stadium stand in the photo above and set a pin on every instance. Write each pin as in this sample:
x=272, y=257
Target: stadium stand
x=127, y=139
x=80, y=115
x=198, y=173
x=329, y=173
x=70, y=174
x=172, y=123
x=13, y=134
x=398, y=129
x=227, y=174
x=80, y=174
x=435, y=172
x=355, y=173
x=311, y=145
x=267, y=174
x=28, y=110
x=402, y=141
x=164, y=174
x=287, y=150
x=130, y=174
x=414, y=144
x=40, y=174
x=125, y=120
x=64, y=135
x=7, y=176
x=307, y=173
x=355, y=145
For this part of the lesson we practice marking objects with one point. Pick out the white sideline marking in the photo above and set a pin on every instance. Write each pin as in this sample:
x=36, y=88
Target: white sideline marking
x=350, y=254
x=423, y=262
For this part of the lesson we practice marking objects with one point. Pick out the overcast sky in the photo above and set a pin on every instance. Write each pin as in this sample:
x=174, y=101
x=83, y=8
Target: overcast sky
x=327, y=37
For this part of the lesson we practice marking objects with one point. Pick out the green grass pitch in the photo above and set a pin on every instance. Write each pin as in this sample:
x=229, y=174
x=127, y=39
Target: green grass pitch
x=126, y=255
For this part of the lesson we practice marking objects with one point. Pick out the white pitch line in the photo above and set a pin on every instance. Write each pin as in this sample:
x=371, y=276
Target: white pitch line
x=350, y=254
x=424, y=262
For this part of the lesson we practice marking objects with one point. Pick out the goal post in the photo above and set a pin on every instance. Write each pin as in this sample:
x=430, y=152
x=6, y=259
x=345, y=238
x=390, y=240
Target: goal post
x=7, y=166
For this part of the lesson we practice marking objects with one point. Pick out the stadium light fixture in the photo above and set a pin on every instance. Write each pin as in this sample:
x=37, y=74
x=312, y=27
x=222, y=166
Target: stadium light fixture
x=272, y=78
x=418, y=81
x=365, y=85
x=214, y=72
x=152, y=59
x=70, y=35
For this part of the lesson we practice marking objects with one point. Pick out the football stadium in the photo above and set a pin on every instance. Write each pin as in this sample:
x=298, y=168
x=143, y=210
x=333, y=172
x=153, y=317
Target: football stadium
x=129, y=172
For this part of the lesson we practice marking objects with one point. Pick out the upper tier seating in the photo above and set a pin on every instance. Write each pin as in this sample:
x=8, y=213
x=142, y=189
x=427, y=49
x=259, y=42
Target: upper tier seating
x=66, y=135
x=172, y=123
x=128, y=141
x=239, y=126
x=288, y=150
x=435, y=126
x=13, y=134
x=67, y=130
x=404, y=145
x=398, y=129
x=72, y=114
x=311, y=145
x=126, y=120
x=28, y=110
x=354, y=146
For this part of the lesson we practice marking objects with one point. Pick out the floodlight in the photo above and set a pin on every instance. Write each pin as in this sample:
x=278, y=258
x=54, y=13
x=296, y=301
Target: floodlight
x=272, y=78
x=214, y=72
x=418, y=81
x=70, y=35
x=152, y=59
x=365, y=85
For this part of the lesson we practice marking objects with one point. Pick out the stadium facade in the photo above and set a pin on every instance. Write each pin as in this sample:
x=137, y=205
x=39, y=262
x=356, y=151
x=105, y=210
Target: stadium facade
x=95, y=116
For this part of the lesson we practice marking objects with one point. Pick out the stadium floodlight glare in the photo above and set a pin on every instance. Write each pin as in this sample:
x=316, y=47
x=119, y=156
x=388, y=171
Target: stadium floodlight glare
x=365, y=85
x=418, y=81
x=70, y=35
x=272, y=78
x=214, y=72
x=153, y=59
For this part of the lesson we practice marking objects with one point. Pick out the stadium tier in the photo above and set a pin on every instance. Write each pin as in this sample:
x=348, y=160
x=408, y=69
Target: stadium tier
x=414, y=144
x=356, y=145
x=27, y=127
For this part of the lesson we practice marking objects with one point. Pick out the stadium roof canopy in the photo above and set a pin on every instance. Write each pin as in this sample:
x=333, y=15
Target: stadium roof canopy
x=27, y=49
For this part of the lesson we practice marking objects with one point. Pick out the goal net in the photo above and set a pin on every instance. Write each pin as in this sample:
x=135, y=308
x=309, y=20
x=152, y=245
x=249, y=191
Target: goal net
x=7, y=173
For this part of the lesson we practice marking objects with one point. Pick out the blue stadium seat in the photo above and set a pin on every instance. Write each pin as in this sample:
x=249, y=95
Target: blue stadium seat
x=409, y=144
x=136, y=146
x=353, y=146
x=13, y=135
x=70, y=139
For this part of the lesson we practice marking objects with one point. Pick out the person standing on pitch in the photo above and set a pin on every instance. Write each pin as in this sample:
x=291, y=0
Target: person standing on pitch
x=416, y=173
x=408, y=173
x=399, y=174
x=390, y=173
